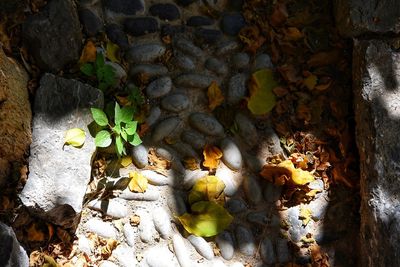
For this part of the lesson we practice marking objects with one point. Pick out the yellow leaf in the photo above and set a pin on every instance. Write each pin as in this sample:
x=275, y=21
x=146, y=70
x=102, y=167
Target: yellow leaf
x=88, y=53
x=310, y=82
x=112, y=52
x=75, y=137
x=211, y=154
x=305, y=215
x=207, y=219
x=49, y=261
x=215, y=96
x=293, y=34
x=207, y=188
x=108, y=248
x=191, y=164
x=262, y=99
x=34, y=234
x=138, y=182
x=126, y=161
x=285, y=172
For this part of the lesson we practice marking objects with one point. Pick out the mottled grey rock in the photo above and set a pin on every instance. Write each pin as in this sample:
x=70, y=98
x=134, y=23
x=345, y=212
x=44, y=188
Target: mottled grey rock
x=232, y=23
x=267, y=251
x=151, y=194
x=252, y=189
x=237, y=88
x=56, y=193
x=53, y=35
x=160, y=256
x=146, y=228
x=282, y=251
x=227, y=47
x=245, y=240
x=194, y=80
x=11, y=252
x=235, y=205
x=145, y=53
x=231, y=154
x=139, y=156
x=91, y=22
x=246, y=129
x=104, y=229
x=258, y=217
x=206, y=124
x=181, y=251
x=125, y=255
x=162, y=222
x=272, y=142
x=151, y=70
x=184, y=62
x=262, y=61
x=112, y=207
x=154, y=114
x=165, y=128
x=175, y=102
x=193, y=138
x=165, y=11
x=225, y=243
x=201, y=246
x=156, y=178
x=188, y=47
x=357, y=17
x=159, y=87
x=216, y=65
x=129, y=234
x=240, y=60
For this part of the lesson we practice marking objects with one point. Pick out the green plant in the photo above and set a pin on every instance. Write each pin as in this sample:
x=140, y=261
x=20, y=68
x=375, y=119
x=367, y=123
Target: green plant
x=123, y=129
x=135, y=97
x=104, y=73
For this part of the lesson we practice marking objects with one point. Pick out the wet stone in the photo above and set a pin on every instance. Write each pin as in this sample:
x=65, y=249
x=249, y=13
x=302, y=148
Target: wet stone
x=112, y=207
x=129, y=234
x=217, y=66
x=232, y=23
x=231, y=154
x=143, y=53
x=141, y=25
x=258, y=217
x=151, y=194
x=206, y=124
x=165, y=11
x=245, y=240
x=209, y=36
x=201, y=246
x=155, y=178
x=92, y=24
x=252, y=189
x=159, y=87
x=183, y=62
x=125, y=256
x=267, y=251
x=101, y=228
x=196, y=21
x=154, y=114
x=126, y=7
x=148, y=69
x=235, y=206
x=139, y=156
x=117, y=35
x=262, y=61
x=240, y=60
x=225, y=243
x=237, y=88
x=246, y=129
x=175, y=102
x=194, y=80
x=162, y=222
x=282, y=251
x=188, y=47
x=146, y=228
x=165, y=128
x=181, y=251
x=193, y=138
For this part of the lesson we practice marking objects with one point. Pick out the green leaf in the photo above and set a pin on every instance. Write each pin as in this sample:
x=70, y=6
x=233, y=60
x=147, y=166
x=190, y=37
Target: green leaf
x=131, y=127
x=124, y=135
x=99, y=60
x=99, y=116
x=119, y=145
x=209, y=187
x=109, y=75
x=124, y=114
x=134, y=140
x=117, y=129
x=262, y=99
x=87, y=69
x=207, y=219
x=103, y=139
x=75, y=137
x=103, y=86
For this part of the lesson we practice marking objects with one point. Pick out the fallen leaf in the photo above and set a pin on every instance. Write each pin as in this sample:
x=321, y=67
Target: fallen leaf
x=292, y=34
x=108, y=248
x=305, y=214
x=285, y=172
x=324, y=58
x=252, y=38
x=215, y=96
x=75, y=137
x=135, y=220
x=310, y=82
x=191, y=164
x=262, y=99
x=126, y=161
x=138, y=182
x=112, y=52
x=35, y=234
x=209, y=188
x=318, y=258
x=207, y=219
x=212, y=155
x=89, y=53
x=49, y=261
x=279, y=14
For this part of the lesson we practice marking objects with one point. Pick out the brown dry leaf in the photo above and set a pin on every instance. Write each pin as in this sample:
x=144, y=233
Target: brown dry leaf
x=215, y=96
x=292, y=34
x=36, y=258
x=290, y=73
x=88, y=53
x=310, y=82
x=158, y=164
x=64, y=236
x=143, y=129
x=252, y=38
x=285, y=172
x=108, y=248
x=279, y=14
x=35, y=234
x=318, y=258
x=212, y=155
x=135, y=220
x=191, y=164
x=324, y=58
x=138, y=182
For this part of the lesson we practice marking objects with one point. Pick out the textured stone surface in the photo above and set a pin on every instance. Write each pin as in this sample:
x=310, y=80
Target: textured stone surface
x=58, y=174
x=11, y=252
x=54, y=36
x=377, y=108
x=15, y=130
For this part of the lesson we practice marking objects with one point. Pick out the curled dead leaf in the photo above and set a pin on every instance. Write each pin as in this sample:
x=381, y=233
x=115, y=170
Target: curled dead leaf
x=108, y=248
x=138, y=182
x=212, y=155
x=285, y=172
x=89, y=53
x=215, y=96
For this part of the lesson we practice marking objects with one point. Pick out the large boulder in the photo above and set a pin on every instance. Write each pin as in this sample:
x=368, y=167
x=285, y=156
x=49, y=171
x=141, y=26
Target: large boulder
x=15, y=115
x=357, y=17
x=53, y=35
x=58, y=174
x=11, y=252
x=376, y=75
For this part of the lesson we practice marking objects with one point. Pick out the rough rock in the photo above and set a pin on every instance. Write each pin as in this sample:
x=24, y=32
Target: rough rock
x=15, y=131
x=53, y=35
x=58, y=174
x=376, y=76
x=92, y=24
x=11, y=252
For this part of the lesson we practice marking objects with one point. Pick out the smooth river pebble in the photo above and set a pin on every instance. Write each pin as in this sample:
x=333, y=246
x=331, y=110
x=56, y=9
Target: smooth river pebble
x=267, y=251
x=231, y=154
x=160, y=256
x=225, y=243
x=129, y=234
x=146, y=228
x=206, y=124
x=139, y=156
x=237, y=88
x=252, y=189
x=194, y=80
x=125, y=255
x=162, y=222
x=175, y=102
x=201, y=246
x=101, y=228
x=112, y=207
x=159, y=87
x=193, y=138
x=165, y=128
x=181, y=251
x=155, y=178
x=245, y=240
x=145, y=53
x=247, y=130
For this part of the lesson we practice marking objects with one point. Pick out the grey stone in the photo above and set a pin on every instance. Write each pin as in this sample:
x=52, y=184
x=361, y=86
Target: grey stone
x=162, y=222
x=272, y=142
x=84, y=245
x=117, y=35
x=194, y=80
x=56, y=193
x=165, y=11
x=11, y=252
x=107, y=264
x=104, y=229
x=262, y=61
x=53, y=35
x=112, y=207
x=130, y=234
x=185, y=150
x=232, y=23
x=156, y=178
x=240, y=60
x=177, y=204
x=253, y=162
x=184, y=62
x=139, y=26
x=227, y=47
x=282, y=251
x=160, y=256
x=237, y=88
x=252, y=189
x=246, y=129
x=319, y=207
x=159, y=87
x=154, y=114
x=92, y=23
x=235, y=205
x=125, y=7
x=188, y=47
x=151, y=70
x=125, y=255
x=208, y=36
x=145, y=53
x=193, y=138
x=181, y=251
x=216, y=65
x=258, y=217
x=245, y=240
x=191, y=177
x=151, y=194
x=296, y=229
x=169, y=154
x=225, y=243
x=376, y=77
x=139, y=156
x=196, y=21
x=357, y=17
x=165, y=128
x=267, y=251
x=206, y=124
x=201, y=246
x=230, y=179
x=271, y=192
x=231, y=154
x=146, y=228
x=175, y=102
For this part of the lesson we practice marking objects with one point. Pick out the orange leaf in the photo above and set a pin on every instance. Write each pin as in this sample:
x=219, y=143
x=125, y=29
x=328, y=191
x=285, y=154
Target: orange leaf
x=215, y=96
x=285, y=172
x=293, y=34
x=88, y=53
x=212, y=155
